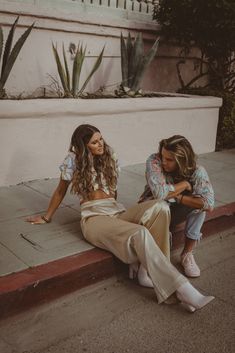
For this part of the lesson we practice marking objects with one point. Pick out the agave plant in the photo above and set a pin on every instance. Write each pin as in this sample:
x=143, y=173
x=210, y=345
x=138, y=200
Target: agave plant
x=70, y=82
x=134, y=62
x=9, y=56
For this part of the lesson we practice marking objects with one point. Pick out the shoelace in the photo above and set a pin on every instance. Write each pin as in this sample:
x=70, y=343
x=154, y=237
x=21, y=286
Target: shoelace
x=190, y=259
x=191, y=262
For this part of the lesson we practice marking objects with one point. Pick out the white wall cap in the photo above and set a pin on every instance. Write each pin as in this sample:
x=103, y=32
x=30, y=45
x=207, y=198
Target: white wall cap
x=33, y=108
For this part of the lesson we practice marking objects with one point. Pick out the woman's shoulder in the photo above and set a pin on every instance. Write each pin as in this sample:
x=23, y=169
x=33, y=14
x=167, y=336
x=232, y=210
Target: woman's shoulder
x=153, y=161
x=70, y=157
x=154, y=157
x=113, y=154
x=68, y=166
x=200, y=172
x=71, y=154
x=116, y=160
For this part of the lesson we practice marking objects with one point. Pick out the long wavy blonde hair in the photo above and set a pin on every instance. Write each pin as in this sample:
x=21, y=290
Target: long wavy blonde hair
x=183, y=153
x=87, y=164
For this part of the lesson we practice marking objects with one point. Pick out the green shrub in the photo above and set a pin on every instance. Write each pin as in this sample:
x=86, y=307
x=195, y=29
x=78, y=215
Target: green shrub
x=208, y=25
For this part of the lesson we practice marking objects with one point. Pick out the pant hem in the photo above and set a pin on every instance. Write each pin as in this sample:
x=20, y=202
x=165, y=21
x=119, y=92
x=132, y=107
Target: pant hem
x=163, y=295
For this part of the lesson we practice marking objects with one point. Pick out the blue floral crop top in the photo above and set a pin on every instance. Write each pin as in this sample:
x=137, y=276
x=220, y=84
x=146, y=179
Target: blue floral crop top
x=68, y=167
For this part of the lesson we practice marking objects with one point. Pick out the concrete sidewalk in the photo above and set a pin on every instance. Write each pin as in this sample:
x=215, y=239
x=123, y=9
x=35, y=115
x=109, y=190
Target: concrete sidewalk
x=32, y=255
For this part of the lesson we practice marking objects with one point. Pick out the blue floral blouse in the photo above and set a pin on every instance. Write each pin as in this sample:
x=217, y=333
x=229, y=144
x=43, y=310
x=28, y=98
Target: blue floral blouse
x=159, y=184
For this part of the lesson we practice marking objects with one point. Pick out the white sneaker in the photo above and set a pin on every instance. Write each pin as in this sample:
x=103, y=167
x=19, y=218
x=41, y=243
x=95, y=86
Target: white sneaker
x=188, y=262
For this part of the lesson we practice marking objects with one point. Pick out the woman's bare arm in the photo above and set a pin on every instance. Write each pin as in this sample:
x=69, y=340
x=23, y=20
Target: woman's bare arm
x=187, y=200
x=54, y=203
x=191, y=201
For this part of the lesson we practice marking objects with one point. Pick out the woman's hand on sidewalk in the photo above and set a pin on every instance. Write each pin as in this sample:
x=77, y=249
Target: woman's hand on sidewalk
x=36, y=220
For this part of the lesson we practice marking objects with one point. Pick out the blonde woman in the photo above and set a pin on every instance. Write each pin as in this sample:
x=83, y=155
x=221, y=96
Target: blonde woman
x=173, y=175
x=91, y=169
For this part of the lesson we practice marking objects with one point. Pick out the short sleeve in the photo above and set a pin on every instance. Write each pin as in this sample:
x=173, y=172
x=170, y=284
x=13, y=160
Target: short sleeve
x=68, y=167
x=115, y=158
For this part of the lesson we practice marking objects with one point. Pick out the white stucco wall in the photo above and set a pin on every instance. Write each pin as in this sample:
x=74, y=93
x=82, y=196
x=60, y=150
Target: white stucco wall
x=35, y=134
x=66, y=21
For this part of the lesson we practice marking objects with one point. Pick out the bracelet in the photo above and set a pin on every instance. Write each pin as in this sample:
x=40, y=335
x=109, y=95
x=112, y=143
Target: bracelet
x=45, y=219
x=179, y=200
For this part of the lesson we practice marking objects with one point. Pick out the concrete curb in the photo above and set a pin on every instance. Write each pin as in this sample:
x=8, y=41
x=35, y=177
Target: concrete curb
x=21, y=290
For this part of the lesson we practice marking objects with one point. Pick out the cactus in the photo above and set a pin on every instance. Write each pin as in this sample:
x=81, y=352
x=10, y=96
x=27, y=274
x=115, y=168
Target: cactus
x=73, y=90
x=134, y=62
x=10, y=56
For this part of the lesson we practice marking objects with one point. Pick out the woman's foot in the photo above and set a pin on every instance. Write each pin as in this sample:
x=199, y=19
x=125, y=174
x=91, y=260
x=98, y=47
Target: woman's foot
x=143, y=278
x=133, y=270
x=191, y=298
x=139, y=272
x=189, y=264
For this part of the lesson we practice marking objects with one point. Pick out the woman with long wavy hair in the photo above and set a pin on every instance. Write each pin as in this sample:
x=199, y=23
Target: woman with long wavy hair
x=173, y=175
x=91, y=168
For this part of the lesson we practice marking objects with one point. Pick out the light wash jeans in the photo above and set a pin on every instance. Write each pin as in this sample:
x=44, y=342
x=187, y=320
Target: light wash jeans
x=194, y=220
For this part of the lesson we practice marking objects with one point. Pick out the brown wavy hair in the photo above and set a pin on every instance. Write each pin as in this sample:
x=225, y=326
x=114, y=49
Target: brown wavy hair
x=183, y=153
x=86, y=163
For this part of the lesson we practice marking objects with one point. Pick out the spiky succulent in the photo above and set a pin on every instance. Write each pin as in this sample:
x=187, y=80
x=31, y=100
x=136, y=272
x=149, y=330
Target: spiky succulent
x=70, y=82
x=9, y=55
x=134, y=62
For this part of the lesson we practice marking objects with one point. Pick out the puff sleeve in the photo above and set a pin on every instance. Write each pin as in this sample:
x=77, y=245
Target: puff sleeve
x=68, y=167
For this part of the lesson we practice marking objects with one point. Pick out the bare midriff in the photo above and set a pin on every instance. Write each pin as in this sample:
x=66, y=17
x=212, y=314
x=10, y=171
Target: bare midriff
x=97, y=195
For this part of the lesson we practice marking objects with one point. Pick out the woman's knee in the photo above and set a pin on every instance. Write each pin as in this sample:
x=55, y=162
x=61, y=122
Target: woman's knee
x=162, y=207
x=197, y=216
x=165, y=206
x=142, y=235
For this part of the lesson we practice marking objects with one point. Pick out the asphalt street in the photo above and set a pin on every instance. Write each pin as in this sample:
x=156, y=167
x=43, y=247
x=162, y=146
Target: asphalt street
x=118, y=316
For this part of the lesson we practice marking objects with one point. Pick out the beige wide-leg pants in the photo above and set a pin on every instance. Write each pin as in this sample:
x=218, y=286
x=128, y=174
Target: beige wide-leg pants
x=107, y=226
x=155, y=216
